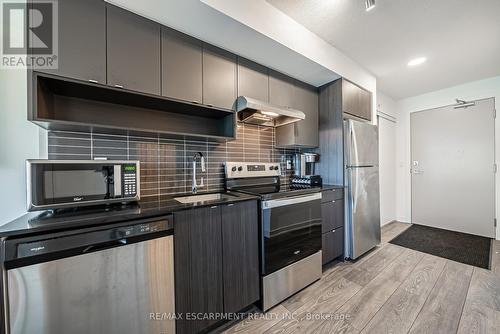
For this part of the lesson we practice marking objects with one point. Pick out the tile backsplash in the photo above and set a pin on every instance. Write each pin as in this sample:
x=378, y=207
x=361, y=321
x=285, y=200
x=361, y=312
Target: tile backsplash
x=166, y=164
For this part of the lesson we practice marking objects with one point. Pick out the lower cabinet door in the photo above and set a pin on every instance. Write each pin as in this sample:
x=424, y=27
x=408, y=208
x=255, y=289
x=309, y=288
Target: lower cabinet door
x=240, y=244
x=198, y=268
x=332, y=214
x=333, y=245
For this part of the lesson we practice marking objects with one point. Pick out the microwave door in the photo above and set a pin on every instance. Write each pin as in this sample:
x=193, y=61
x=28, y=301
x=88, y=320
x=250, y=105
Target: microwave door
x=55, y=185
x=79, y=183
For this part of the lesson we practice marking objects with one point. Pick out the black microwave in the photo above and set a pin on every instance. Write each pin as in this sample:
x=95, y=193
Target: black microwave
x=56, y=184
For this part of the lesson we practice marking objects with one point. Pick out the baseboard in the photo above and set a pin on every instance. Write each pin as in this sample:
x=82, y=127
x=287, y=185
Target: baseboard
x=394, y=221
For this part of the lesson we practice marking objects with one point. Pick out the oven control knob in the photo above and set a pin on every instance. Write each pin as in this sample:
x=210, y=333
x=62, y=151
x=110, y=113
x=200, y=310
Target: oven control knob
x=240, y=169
x=233, y=169
x=271, y=167
x=276, y=167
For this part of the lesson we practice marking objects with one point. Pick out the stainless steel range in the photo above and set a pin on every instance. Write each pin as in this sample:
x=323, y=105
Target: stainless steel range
x=290, y=229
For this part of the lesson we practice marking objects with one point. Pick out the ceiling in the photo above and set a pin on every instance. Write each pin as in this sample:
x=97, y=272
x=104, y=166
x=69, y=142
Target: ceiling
x=460, y=38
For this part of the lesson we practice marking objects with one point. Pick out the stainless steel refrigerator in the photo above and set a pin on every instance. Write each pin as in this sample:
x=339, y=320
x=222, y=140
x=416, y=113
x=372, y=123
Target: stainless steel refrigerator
x=362, y=230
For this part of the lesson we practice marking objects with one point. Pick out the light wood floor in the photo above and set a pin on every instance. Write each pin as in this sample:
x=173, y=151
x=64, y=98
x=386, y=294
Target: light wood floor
x=390, y=290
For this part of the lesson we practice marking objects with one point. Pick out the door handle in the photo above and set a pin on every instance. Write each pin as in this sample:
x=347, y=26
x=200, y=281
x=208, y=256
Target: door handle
x=417, y=171
x=111, y=244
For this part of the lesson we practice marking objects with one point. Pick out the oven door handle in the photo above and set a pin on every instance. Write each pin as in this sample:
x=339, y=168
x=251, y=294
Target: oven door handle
x=274, y=203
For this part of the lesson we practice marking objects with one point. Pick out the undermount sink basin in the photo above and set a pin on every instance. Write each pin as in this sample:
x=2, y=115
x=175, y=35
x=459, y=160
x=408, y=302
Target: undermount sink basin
x=202, y=198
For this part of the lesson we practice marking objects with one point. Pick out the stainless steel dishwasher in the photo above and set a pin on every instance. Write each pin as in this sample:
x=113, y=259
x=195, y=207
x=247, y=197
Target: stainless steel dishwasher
x=113, y=280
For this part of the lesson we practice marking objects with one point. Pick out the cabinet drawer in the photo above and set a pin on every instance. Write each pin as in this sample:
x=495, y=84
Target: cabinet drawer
x=332, y=194
x=332, y=214
x=333, y=245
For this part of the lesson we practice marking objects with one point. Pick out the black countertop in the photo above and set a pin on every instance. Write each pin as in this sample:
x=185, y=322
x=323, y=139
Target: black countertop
x=41, y=222
x=38, y=222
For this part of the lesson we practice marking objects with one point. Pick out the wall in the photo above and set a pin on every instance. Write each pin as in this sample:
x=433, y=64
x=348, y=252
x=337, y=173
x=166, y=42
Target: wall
x=470, y=91
x=20, y=141
x=386, y=107
x=166, y=164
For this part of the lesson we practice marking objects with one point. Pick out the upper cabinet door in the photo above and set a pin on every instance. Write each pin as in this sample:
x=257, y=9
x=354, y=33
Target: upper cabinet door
x=304, y=133
x=253, y=80
x=281, y=89
x=365, y=104
x=307, y=101
x=219, y=77
x=181, y=66
x=82, y=40
x=133, y=51
x=356, y=101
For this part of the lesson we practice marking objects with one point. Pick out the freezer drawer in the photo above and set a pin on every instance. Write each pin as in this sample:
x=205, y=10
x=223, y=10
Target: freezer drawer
x=125, y=289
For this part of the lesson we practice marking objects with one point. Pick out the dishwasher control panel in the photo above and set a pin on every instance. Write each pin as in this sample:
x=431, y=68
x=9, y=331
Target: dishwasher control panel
x=86, y=240
x=139, y=229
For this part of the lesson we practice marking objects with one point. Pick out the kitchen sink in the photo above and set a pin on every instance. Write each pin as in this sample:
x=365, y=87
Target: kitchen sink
x=203, y=198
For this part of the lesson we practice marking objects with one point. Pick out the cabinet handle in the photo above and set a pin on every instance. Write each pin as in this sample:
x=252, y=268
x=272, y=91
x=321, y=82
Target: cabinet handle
x=118, y=86
x=209, y=105
x=213, y=207
x=230, y=204
x=93, y=81
x=195, y=102
x=333, y=201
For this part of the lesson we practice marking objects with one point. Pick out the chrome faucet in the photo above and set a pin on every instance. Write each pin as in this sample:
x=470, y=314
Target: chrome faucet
x=194, y=188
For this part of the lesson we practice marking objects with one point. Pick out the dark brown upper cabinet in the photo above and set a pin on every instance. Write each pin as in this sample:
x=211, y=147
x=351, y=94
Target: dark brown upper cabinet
x=356, y=101
x=281, y=89
x=133, y=51
x=82, y=40
x=181, y=66
x=303, y=133
x=219, y=77
x=253, y=80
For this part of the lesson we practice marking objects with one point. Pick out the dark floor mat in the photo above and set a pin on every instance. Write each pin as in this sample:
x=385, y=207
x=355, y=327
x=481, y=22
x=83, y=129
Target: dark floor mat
x=460, y=247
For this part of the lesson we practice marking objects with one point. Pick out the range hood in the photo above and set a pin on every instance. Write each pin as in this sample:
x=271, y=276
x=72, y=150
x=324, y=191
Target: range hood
x=257, y=112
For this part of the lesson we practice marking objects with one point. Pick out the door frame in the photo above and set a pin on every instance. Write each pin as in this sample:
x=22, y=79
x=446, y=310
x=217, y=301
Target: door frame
x=495, y=176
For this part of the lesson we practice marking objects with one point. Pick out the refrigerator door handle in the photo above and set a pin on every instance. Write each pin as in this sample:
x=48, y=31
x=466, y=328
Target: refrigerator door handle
x=354, y=145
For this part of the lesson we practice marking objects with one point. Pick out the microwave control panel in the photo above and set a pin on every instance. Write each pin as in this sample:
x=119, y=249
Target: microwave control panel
x=129, y=180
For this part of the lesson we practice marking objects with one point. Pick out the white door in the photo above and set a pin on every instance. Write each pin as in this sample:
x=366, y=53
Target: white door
x=452, y=161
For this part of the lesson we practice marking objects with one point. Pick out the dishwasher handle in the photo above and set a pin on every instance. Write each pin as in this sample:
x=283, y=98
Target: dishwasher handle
x=111, y=244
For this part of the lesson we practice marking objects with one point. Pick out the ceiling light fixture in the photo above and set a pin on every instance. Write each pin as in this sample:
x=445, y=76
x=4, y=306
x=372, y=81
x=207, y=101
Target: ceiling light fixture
x=370, y=4
x=417, y=61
